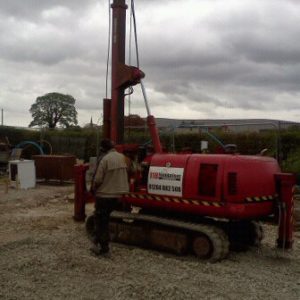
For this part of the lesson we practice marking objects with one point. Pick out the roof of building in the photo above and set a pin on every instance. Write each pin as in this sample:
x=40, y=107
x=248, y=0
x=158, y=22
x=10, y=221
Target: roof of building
x=173, y=123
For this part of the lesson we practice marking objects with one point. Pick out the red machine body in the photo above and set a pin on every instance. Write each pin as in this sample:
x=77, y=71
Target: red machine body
x=225, y=186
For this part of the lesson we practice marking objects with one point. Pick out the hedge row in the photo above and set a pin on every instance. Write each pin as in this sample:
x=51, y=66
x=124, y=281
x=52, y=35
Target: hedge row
x=83, y=142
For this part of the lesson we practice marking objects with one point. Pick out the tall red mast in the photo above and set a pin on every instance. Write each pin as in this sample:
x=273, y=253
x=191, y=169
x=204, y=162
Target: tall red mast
x=122, y=76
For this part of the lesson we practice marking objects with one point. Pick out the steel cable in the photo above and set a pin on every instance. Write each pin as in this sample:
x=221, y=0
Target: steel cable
x=137, y=57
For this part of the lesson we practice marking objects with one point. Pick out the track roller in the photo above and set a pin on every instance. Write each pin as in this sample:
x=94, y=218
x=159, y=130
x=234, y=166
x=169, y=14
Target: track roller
x=244, y=234
x=212, y=244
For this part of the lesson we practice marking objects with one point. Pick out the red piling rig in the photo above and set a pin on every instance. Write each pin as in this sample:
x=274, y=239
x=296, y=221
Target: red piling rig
x=218, y=186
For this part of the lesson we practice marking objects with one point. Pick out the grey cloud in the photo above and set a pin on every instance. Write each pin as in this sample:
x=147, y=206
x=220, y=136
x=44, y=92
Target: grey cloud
x=277, y=51
x=256, y=57
x=29, y=9
x=49, y=43
x=229, y=56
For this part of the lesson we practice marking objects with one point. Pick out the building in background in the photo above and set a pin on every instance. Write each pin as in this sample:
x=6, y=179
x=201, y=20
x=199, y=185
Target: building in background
x=229, y=125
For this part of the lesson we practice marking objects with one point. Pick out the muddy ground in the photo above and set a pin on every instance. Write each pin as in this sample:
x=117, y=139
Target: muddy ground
x=44, y=254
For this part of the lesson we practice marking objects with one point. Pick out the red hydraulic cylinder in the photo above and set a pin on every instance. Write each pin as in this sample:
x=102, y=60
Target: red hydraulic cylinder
x=285, y=185
x=80, y=192
x=154, y=134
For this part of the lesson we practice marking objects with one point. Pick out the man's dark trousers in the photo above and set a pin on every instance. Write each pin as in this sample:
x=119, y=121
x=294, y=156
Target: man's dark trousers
x=103, y=209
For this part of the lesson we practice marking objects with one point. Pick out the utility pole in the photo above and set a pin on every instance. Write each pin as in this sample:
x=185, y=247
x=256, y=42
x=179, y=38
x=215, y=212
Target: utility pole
x=1, y=116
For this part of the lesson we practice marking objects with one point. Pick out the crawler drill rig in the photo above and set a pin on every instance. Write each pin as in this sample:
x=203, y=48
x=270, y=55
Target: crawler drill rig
x=201, y=203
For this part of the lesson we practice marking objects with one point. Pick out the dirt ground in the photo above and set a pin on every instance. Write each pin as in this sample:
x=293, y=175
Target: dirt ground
x=44, y=254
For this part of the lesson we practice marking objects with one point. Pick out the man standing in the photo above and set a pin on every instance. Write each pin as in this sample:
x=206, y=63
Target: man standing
x=110, y=183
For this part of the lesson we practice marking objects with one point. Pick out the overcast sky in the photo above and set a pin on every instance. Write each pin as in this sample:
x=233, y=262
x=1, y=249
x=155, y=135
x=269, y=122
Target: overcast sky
x=202, y=58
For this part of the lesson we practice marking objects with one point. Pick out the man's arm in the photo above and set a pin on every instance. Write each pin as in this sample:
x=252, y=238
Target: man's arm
x=99, y=177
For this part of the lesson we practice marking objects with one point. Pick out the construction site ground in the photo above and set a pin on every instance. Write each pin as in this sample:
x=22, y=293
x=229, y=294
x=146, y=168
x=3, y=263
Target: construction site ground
x=44, y=254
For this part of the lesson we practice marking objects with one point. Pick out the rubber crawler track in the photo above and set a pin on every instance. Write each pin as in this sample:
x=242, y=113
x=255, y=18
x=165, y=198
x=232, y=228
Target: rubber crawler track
x=217, y=236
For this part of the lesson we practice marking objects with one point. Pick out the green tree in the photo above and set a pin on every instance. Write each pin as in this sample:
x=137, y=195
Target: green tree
x=53, y=109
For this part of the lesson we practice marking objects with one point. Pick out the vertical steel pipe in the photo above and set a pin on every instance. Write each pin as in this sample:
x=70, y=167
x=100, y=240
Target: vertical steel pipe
x=118, y=58
x=106, y=118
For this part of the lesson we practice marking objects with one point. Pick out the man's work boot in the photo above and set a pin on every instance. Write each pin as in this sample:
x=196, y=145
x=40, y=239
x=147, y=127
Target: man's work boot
x=100, y=251
x=95, y=249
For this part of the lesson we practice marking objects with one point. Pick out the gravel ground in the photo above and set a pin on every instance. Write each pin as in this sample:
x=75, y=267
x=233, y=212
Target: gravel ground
x=44, y=254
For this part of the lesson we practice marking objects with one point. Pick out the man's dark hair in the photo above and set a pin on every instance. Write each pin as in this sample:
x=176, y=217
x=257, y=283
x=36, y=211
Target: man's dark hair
x=106, y=145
